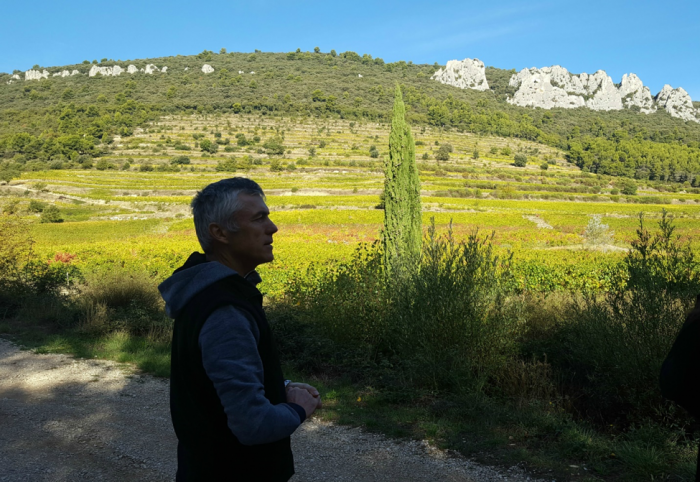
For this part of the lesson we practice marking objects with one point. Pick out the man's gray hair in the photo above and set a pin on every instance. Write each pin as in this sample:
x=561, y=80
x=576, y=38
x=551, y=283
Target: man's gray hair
x=218, y=203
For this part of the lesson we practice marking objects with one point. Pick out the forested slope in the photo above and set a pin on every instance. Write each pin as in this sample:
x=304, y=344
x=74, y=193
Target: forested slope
x=53, y=122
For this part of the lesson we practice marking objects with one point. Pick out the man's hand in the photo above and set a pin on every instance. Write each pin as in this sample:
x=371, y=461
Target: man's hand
x=310, y=389
x=302, y=397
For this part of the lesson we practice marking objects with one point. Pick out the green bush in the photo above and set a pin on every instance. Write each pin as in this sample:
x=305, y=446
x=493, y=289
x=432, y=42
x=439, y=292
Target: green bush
x=51, y=214
x=103, y=165
x=628, y=188
x=613, y=344
x=449, y=326
x=276, y=165
x=274, y=146
x=22, y=273
x=180, y=160
x=208, y=146
x=121, y=300
x=36, y=206
x=520, y=160
x=229, y=165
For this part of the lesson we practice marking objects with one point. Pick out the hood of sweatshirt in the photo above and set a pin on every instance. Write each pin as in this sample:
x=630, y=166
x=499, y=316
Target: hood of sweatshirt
x=191, y=278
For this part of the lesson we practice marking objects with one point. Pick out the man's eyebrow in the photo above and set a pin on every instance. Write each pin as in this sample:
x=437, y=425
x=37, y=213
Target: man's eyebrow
x=261, y=213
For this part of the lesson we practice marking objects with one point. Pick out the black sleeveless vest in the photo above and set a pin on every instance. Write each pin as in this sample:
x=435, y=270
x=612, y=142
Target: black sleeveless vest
x=208, y=450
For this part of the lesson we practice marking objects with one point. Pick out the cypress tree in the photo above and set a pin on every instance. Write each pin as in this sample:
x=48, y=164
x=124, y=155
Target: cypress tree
x=402, y=234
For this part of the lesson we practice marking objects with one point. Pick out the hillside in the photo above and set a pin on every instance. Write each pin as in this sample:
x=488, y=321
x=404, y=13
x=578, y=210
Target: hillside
x=62, y=118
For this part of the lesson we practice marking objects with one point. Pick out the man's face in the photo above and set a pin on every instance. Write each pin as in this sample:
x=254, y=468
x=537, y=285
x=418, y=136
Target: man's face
x=251, y=245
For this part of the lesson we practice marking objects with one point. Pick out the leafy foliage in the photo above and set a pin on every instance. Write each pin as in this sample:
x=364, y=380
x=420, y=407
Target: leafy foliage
x=402, y=204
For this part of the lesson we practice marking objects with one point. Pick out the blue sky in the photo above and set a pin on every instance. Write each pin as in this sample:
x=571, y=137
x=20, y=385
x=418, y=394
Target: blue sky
x=659, y=41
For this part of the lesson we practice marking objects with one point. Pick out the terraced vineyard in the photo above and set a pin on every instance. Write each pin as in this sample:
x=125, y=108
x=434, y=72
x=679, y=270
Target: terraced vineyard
x=324, y=190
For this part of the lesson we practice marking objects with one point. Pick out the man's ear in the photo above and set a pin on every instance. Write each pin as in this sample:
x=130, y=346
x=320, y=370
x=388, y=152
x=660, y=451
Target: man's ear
x=217, y=232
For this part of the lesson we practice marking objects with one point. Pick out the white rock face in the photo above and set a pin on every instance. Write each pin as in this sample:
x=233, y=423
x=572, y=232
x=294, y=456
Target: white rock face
x=187, y=68
x=548, y=87
x=150, y=68
x=63, y=73
x=16, y=77
x=678, y=103
x=106, y=71
x=75, y=72
x=551, y=87
x=359, y=76
x=207, y=69
x=605, y=94
x=634, y=93
x=465, y=74
x=36, y=75
x=164, y=69
x=132, y=69
x=241, y=72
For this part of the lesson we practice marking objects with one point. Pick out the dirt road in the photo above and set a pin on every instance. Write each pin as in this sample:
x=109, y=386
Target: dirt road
x=63, y=419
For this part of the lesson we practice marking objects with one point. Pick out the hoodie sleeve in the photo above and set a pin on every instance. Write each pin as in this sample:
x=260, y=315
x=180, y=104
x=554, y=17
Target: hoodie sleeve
x=229, y=343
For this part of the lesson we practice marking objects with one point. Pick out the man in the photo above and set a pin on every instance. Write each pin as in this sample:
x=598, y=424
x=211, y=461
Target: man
x=232, y=410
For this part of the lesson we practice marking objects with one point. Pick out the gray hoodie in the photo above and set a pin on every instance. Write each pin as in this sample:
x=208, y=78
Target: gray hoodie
x=229, y=341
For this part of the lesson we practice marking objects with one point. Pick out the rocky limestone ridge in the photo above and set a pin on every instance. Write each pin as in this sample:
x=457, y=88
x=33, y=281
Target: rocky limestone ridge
x=105, y=71
x=207, y=69
x=65, y=73
x=551, y=87
x=633, y=92
x=16, y=77
x=678, y=103
x=465, y=74
x=117, y=70
x=36, y=75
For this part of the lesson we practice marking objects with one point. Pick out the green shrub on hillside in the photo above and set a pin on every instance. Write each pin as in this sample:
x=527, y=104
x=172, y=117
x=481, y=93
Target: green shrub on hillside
x=180, y=160
x=51, y=214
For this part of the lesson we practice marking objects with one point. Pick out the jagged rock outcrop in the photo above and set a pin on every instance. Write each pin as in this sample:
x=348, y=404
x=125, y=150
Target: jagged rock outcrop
x=132, y=69
x=36, y=75
x=604, y=92
x=65, y=73
x=465, y=74
x=551, y=87
x=164, y=69
x=548, y=87
x=678, y=103
x=207, y=69
x=634, y=93
x=16, y=77
x=106, y=71
x=150, y=68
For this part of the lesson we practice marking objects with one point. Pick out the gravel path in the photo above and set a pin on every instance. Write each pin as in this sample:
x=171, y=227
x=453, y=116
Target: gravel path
x=63, y=419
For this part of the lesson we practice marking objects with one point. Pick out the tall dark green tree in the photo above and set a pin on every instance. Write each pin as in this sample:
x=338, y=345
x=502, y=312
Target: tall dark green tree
x=402, y=234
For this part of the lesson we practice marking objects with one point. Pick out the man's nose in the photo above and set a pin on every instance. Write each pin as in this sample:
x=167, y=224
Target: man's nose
x=272, y=229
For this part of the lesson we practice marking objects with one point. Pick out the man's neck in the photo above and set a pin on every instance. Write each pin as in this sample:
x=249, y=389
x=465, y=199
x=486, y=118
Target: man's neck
x=227, y=261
